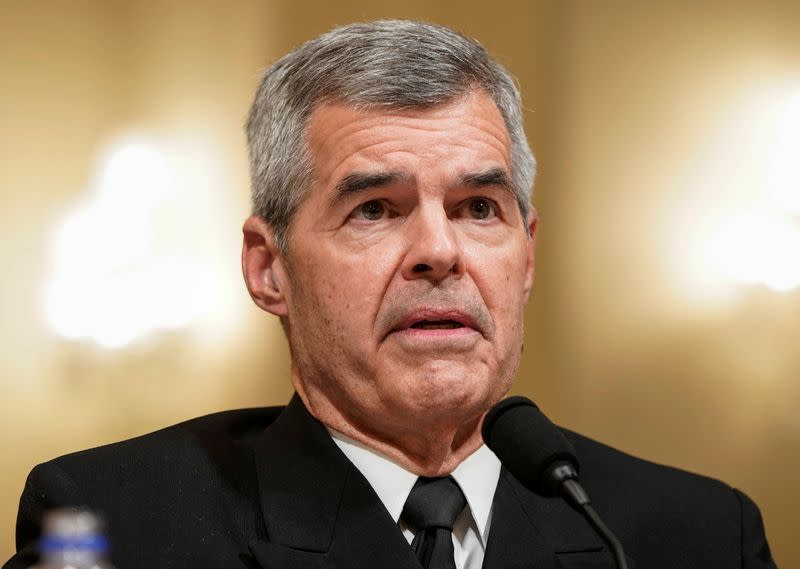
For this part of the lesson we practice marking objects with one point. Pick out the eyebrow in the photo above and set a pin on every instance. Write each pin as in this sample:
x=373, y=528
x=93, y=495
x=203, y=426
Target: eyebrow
x=357, y=182
x=492, y=177
x=361, y=181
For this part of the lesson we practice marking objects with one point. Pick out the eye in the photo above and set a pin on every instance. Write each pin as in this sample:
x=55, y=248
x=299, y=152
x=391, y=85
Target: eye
x=481, y=208
x=371, y=210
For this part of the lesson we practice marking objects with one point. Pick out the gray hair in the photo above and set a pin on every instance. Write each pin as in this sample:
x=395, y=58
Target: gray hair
x=392, y=64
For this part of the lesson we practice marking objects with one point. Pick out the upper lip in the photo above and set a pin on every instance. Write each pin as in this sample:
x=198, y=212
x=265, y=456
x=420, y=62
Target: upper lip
x=434, y=315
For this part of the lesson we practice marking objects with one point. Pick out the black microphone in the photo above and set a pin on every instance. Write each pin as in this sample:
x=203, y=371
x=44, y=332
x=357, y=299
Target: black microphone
x=538, y=454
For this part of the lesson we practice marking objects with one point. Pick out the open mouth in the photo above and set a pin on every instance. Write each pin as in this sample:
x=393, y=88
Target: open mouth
x=437, y=325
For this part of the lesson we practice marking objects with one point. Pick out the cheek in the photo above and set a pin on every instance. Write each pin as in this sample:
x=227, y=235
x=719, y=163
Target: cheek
x=501, y=279
x=345, y=292
x=502, y=287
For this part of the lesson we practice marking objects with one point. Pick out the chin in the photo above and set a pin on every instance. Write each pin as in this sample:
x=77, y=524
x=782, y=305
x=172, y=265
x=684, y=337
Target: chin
x=453, y=393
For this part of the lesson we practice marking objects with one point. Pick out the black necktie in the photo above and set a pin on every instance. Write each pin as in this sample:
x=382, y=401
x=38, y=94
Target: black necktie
x=431, y=509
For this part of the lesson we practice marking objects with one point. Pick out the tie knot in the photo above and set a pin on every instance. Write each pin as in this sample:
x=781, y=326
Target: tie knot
x=434, y=503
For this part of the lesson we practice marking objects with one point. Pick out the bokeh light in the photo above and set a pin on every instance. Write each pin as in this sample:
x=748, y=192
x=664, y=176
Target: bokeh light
x=121, y=268
x=756, y=248
x=783, y=174
x=748, y=232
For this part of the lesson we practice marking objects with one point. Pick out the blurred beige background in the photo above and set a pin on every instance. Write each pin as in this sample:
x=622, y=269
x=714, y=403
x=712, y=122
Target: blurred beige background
x=666, y=316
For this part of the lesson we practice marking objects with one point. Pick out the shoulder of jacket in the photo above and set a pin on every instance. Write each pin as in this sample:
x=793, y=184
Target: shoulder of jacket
x=604, y=464
x=216, y=431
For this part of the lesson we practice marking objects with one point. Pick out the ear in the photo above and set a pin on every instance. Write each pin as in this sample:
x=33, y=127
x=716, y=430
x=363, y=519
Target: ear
x=530, y=270
x=263, y=266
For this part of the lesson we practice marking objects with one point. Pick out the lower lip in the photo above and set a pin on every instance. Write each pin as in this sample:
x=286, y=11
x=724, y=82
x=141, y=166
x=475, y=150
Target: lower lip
x=463, y=330
x=438, y=338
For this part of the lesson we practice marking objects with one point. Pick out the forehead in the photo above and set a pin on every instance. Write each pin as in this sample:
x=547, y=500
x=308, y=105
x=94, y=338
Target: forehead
x=450, y=139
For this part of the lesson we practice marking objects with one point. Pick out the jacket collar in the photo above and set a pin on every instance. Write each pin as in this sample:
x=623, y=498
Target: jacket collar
x=319, y=511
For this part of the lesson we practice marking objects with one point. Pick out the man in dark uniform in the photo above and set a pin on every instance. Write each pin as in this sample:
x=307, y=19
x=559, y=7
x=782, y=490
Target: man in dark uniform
x=392, y=233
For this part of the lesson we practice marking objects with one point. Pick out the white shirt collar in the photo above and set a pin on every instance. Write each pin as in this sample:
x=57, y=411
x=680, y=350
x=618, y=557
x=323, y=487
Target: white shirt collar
x=477, y=476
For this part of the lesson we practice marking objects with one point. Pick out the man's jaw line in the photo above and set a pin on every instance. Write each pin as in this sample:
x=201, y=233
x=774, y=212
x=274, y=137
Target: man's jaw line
x=425, y=451
x=426, y=448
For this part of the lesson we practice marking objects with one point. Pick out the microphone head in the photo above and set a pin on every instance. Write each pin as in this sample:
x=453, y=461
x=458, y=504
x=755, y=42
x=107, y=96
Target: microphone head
x=532, y=448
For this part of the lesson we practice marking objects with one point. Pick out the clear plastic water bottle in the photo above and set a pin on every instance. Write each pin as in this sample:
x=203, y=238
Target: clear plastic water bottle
x=73, y=539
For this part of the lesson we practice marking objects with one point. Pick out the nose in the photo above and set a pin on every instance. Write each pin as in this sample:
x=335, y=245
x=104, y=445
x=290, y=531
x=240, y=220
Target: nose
x=434, y=249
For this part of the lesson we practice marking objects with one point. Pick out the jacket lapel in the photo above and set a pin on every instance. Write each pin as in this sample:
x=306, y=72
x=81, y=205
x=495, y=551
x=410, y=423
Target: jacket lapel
x=529, y=531
x=319, y=511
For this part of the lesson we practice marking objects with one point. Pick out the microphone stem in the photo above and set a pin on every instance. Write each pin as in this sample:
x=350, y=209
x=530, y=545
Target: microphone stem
x=608, y=536
x=577, y=496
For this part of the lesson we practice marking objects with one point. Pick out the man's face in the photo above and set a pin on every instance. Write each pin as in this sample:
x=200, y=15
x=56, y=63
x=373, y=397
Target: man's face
x=408, y=266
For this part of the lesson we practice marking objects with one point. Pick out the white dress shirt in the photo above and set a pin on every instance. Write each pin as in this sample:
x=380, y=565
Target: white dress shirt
x=477, y=477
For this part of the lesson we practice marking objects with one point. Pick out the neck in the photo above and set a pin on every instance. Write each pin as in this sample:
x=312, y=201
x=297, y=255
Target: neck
x=432, y=447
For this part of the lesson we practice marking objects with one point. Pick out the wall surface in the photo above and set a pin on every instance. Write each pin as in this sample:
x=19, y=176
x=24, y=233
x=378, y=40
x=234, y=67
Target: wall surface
x=653, y=124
